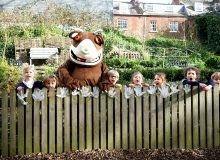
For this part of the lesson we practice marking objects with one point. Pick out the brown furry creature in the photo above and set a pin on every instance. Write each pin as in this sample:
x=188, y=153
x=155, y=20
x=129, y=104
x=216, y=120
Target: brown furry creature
x=84, y=66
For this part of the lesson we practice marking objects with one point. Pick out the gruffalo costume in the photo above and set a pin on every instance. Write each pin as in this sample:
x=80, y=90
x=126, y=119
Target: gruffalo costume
x=84, y=66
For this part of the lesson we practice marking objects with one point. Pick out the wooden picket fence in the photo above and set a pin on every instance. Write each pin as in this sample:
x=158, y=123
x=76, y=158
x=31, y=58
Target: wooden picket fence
x=54, y=125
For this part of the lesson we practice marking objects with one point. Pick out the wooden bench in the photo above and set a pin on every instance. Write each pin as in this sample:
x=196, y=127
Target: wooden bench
x=43, y=53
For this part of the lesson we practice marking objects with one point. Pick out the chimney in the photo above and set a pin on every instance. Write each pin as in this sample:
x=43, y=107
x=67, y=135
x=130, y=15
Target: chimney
x=176, y=2
x=135, y=1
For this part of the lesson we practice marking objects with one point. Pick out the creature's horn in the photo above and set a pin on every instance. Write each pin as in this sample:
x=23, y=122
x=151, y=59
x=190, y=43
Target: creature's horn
x=98, y=31
x=78, y=29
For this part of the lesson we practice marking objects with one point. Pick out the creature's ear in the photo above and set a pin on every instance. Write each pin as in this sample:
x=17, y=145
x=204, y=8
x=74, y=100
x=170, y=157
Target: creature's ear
x=75, y=32
x=99, y=39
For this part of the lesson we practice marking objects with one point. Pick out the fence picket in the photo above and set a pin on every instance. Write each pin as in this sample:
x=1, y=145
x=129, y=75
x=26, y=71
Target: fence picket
x=88, y=123
x=96, y=119
x=216, y=116
x=59, y=137
x=202, y=114
x=181, y=119
x=4, y=120
x=36, y=127
x=139, y=122
x=124, y=122
x=67, y=123
x=13, y=121
x=110, y=130
x=160, y=121
x=195, y=123
x=81, y=123
x=28, y=125
x=188, y=120
x=146, y=121
x=167, y=122
x=44, y=123
x=103, y=121
x=209, y=119
x=52, y=121
x=74, y=120
x=153, y=131
x=174, y=121
x=117, y=121
x=131, y=123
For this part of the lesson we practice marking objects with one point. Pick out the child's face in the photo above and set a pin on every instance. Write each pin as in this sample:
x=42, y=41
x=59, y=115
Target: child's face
x=137, y=79
x=51, y=83
x=191, y=75
x=29, y=74
x=113, y=79
x=217, y=81
x=158, y=80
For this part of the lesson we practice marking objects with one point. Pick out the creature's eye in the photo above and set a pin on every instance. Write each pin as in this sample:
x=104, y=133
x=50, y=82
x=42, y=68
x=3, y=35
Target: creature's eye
x=99, y=40
x=77, y=38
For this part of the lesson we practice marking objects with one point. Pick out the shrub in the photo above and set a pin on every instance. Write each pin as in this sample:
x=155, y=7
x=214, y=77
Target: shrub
x=213, y=62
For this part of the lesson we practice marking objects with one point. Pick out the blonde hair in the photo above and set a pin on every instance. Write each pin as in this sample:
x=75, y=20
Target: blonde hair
x=113, y=72
x=162, y=76
x=137, y=73
x=27, y=67
x=215, y=76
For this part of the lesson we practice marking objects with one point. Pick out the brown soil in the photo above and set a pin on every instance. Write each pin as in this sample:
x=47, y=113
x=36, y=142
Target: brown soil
x=143, y=154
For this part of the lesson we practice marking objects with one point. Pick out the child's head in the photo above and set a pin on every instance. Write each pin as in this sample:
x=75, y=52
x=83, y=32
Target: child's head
x=28, y=72
x=192, y=73
x=113, y=76
x=50, y=81
x=216, y=77
x=137, y=78
x=159, y=78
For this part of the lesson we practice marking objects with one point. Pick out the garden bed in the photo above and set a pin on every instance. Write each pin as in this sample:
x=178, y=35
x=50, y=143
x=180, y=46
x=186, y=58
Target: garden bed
x=157, y=154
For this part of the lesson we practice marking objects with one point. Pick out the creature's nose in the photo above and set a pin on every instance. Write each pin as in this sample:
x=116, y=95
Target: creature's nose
x=85, y=50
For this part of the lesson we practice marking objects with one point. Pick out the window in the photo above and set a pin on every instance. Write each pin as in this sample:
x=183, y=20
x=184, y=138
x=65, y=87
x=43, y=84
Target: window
x=169, y=8
x=153, y=26
x=198, y=7
x=149, y=8
x=173, y=26
x=123, y=24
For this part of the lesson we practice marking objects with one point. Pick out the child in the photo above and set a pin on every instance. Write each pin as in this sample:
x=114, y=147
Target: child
x=192, y=78
x=28, y=79
x=159, y=79
x=113, y=77
x=137, y=79
x=216, y=78
x=50, y=81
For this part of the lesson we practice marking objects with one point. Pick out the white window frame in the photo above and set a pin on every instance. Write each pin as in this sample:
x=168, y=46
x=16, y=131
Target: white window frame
x=153, y=26
x=149, y=7
x=198, y=6
x=123, y=24
x=174, y=26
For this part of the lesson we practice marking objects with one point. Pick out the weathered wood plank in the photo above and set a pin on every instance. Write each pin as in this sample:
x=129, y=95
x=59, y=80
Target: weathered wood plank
x=59, y=124
x=28, y=127
x=4, y=131
x=117, y=120
x=88, y=123
x=153, y=129
x=216, y=116
x=67, y=123
x=74, y=120
x=160, y=118
x=146, y=122
x=181, y=119
x=195, y=122
x=167, y=119
x=36, y=127
x=131, y=123
x=81, y=123
x=202, y=120
x=13, y=120
x=103, y=121
x=174, y=121
x=110, y=130
x=209, y=119
x=124, y=122
x=188, y=120
x=96, y=118
x=52, y=121
x=44, y=123
x=138, y=122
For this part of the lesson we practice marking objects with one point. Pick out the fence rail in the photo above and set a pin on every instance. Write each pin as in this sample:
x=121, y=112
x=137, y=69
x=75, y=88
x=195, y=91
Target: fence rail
x=182, y=120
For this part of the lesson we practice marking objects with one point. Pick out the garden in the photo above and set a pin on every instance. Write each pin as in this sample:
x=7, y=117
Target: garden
x=203, y=52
